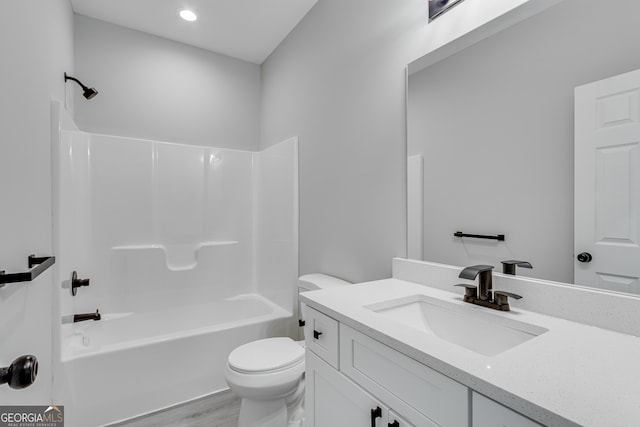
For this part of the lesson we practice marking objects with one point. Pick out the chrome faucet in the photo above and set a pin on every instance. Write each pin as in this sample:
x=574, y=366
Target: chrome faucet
x=484, y=294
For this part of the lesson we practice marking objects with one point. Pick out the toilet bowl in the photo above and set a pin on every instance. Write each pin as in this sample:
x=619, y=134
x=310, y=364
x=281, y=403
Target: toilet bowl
x=268, y=374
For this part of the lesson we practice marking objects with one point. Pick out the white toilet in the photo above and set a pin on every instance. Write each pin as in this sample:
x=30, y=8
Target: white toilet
x=268, y=374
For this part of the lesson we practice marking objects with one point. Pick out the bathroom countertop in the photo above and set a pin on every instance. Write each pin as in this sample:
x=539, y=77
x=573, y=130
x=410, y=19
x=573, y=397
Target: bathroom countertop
x=571, y=375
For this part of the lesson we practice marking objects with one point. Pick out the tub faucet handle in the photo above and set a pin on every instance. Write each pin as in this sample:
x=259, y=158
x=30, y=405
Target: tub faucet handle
x=77, y=283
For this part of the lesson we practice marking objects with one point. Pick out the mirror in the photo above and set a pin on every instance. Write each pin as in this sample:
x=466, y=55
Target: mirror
x=491, y=137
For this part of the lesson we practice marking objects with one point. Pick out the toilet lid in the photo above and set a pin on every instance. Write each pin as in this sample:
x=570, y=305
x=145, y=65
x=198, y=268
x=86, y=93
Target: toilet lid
x=267, y=355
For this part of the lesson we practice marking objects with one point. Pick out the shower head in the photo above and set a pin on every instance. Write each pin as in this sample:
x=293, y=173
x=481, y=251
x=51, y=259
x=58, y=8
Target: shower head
x=21, y=373
x=87, y=92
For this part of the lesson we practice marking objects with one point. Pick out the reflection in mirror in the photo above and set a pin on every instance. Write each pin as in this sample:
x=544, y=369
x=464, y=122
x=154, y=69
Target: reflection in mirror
x=491, y=139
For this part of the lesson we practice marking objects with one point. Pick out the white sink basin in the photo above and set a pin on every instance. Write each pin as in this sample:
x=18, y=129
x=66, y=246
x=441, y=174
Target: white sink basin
x=476, y=329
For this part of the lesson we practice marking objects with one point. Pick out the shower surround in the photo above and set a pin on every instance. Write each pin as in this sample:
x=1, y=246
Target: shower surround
x=190, y=251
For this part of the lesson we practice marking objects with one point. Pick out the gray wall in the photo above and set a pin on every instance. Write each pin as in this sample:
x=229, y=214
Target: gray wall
x=36, y=44
x=337, y=82
x=154, y=88
x=495, y=124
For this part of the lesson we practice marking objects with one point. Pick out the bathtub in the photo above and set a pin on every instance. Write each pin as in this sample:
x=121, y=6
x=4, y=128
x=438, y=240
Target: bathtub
x=128, y=364
x=190, y=250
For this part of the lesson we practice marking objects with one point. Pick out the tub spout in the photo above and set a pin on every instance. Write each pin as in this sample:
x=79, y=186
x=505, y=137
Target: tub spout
x=87, y=316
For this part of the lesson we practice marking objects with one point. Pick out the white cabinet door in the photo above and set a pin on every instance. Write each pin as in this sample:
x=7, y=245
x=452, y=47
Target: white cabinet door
x=421, y=395
x=607, y=183
x=487, y=413
x=332, y=400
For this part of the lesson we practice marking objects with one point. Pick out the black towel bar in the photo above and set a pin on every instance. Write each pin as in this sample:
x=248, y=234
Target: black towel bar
x=499, y=237
x=37, y=266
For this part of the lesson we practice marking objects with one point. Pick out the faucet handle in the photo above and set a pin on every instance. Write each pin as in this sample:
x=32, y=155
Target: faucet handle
x=470, y=291
x=509, y=266
x=507, y=294
x=502, y=297
x=76, y=283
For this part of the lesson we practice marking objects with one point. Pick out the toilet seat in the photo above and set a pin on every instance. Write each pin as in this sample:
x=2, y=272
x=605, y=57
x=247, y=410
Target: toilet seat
x=265, y=356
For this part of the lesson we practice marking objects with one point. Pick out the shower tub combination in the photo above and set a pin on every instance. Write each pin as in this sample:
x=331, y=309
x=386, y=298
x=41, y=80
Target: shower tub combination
x=190, y=252
x=132, y=363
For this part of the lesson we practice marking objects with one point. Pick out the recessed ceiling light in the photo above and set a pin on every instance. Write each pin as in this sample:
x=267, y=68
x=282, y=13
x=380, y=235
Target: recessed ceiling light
x=188, y=15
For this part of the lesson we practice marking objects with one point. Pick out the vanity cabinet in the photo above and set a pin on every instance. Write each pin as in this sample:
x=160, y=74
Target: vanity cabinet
x=353, y=380
x=416, y=392
x=333, y=400
x=350, y=375
x=487, y=413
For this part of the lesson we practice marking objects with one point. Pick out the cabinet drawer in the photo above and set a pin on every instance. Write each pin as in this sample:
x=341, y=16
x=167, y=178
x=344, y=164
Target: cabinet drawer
x=411, y=388
x=321, y=336
x=487, y=413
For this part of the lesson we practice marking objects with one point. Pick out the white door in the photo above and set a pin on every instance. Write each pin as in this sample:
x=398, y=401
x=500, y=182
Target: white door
x=607, y=184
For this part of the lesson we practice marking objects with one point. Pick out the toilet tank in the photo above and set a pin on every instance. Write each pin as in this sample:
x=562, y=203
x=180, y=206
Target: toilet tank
x=312, y=282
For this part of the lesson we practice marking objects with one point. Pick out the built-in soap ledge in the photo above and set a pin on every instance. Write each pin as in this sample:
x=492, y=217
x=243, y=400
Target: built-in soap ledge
x=178, y=257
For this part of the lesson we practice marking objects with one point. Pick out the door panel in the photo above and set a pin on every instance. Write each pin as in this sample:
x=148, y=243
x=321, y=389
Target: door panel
x=607, y=183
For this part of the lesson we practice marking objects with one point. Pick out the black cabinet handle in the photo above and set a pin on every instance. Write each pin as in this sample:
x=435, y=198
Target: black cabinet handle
x=301, y=323
x=316, y=334
x=584, y=257
x=375, y=413
x=37, y=265
x=395, y=423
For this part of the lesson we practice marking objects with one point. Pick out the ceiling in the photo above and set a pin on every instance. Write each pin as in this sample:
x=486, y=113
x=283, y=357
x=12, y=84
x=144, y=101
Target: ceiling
x=246, y=29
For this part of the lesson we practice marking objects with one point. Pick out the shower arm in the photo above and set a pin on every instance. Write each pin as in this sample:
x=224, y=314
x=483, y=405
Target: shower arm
x=66, y=77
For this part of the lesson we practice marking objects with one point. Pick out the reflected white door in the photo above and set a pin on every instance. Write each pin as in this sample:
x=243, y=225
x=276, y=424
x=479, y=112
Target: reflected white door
x=607, y=184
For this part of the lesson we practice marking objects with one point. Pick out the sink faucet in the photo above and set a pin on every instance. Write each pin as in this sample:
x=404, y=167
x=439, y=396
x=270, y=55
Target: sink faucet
x=485, y=281
x=484, y=294
x=509, y=266
x=87, y=316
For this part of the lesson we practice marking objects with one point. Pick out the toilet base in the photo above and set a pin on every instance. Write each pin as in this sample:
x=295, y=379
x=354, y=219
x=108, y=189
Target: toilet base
x=265, y=413
x=284, y=412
